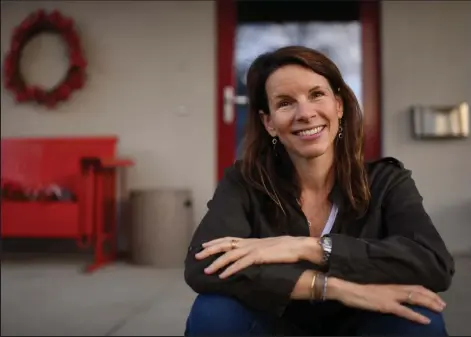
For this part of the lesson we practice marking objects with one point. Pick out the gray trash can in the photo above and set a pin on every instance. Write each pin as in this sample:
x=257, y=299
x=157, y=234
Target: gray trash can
x=161, y=227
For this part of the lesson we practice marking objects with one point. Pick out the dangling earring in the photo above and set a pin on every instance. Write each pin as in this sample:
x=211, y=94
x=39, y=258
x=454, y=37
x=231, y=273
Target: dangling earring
x=340, y=134
x=274, y=141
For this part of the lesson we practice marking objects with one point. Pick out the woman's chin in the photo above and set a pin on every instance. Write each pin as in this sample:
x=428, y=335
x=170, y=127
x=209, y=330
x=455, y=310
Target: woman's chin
x=313, y=151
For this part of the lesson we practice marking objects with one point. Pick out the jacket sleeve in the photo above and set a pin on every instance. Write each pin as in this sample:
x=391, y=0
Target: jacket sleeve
x=262, y=287
x=412, y=252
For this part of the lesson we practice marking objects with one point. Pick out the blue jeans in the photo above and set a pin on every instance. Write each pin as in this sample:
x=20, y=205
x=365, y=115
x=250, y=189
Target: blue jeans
x=224, y=316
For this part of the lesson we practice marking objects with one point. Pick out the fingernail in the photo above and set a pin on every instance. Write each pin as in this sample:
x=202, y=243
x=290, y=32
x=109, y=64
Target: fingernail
x=426, y=321
x=207, y=270
x=199, y=256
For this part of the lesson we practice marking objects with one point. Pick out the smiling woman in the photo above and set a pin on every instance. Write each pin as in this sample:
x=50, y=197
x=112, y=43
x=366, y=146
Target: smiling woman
x=298, y=89
x=340, y=41
x=291, y=91
x=302, y=236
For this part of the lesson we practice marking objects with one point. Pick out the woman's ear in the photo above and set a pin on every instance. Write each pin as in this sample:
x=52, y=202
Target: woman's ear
x=267, y=122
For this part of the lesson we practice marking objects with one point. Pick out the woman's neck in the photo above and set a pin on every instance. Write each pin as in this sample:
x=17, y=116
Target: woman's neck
x=316, y=175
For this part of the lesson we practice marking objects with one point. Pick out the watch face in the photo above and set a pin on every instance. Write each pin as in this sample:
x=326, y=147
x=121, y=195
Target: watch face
x=326, y=243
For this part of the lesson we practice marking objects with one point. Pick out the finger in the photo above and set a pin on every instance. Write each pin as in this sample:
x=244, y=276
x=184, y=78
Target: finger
x=429, y=293
x=426, y=301
x=421, y=296
x=240, y=242
x=409, y=314
x=237, y=266
x=215, y=249
x=217, y=241
x=225, y=260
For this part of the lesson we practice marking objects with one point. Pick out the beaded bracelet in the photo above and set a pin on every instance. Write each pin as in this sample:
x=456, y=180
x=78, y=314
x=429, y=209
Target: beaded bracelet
x=324, y=288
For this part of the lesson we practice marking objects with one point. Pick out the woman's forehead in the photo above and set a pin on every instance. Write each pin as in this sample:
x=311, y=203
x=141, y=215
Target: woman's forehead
x=294, y=79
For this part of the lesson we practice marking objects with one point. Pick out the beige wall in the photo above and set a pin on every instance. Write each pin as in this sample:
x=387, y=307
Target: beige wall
x=151, y=82
x=426, y=56
x=162, y=105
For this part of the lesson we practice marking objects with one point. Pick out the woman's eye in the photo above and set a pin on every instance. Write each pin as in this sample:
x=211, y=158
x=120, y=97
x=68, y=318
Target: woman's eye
x=283, y=104
x=317, y=94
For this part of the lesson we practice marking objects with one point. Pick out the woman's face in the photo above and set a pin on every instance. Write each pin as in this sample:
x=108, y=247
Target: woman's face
x=304, y=111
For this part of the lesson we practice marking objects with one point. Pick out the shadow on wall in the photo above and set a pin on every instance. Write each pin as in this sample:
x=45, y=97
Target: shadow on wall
x=458, y=217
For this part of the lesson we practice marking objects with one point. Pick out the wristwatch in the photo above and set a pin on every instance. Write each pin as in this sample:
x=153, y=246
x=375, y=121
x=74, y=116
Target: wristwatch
x=326, y=245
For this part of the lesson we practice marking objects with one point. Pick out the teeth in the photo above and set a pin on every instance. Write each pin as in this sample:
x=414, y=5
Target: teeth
x=311, y=131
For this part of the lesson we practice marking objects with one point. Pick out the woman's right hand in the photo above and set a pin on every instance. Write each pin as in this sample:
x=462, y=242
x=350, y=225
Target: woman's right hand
x=388, y=299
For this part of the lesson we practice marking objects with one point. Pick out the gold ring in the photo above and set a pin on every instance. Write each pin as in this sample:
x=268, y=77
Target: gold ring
x=233, y=244
x=409, y=298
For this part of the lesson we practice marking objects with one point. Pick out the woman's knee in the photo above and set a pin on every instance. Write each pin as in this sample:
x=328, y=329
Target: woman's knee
x=376, y=323
x=222, y=315
x=437, y=326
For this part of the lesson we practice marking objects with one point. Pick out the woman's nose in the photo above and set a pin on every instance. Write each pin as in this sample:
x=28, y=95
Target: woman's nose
x=305, y=110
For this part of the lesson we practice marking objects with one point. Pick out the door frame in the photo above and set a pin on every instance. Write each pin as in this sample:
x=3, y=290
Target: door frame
x=226, y=23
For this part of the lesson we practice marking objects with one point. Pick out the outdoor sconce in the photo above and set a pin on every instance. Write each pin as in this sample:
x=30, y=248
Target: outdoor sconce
x=444, y=122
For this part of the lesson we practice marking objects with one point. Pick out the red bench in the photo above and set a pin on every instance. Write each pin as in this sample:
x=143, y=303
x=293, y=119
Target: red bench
x=85, y=166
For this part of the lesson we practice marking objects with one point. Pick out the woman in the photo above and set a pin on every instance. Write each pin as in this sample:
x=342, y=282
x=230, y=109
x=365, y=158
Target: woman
x=302, y=236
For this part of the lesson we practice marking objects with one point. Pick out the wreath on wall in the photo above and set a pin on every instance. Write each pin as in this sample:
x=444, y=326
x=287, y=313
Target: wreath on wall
x=37, y=23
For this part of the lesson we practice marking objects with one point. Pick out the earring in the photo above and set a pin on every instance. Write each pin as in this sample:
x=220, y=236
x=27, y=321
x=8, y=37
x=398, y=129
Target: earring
x=274, y=141
x=340, y=134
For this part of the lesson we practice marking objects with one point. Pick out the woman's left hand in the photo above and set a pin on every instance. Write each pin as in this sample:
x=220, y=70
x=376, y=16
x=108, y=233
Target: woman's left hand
x=241, y=253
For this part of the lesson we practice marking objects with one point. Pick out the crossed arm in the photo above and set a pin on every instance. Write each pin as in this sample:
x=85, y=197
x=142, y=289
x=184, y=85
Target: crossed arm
x=268, y=273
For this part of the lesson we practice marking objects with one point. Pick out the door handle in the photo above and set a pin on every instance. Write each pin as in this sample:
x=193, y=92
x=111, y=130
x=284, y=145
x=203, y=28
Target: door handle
x=230, y=99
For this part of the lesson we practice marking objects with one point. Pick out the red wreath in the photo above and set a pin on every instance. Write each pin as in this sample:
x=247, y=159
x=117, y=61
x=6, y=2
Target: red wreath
x=35, y=24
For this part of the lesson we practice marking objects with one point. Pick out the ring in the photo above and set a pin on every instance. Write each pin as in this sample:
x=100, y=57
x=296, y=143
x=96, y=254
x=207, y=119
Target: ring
x=233, y=244
x=409, y=298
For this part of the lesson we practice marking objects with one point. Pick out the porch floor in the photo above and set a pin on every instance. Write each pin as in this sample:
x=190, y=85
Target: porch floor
x=44, y=296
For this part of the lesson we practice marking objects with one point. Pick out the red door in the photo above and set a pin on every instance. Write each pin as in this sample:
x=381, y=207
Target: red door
x=243, y=33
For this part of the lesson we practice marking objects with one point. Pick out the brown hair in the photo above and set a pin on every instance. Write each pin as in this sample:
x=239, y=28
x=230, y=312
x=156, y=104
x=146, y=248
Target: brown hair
x=270, y=170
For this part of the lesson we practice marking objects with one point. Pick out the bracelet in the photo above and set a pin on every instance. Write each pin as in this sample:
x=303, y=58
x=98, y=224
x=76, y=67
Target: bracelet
x=324, y=288
x=319, y=286
x=312, y=293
